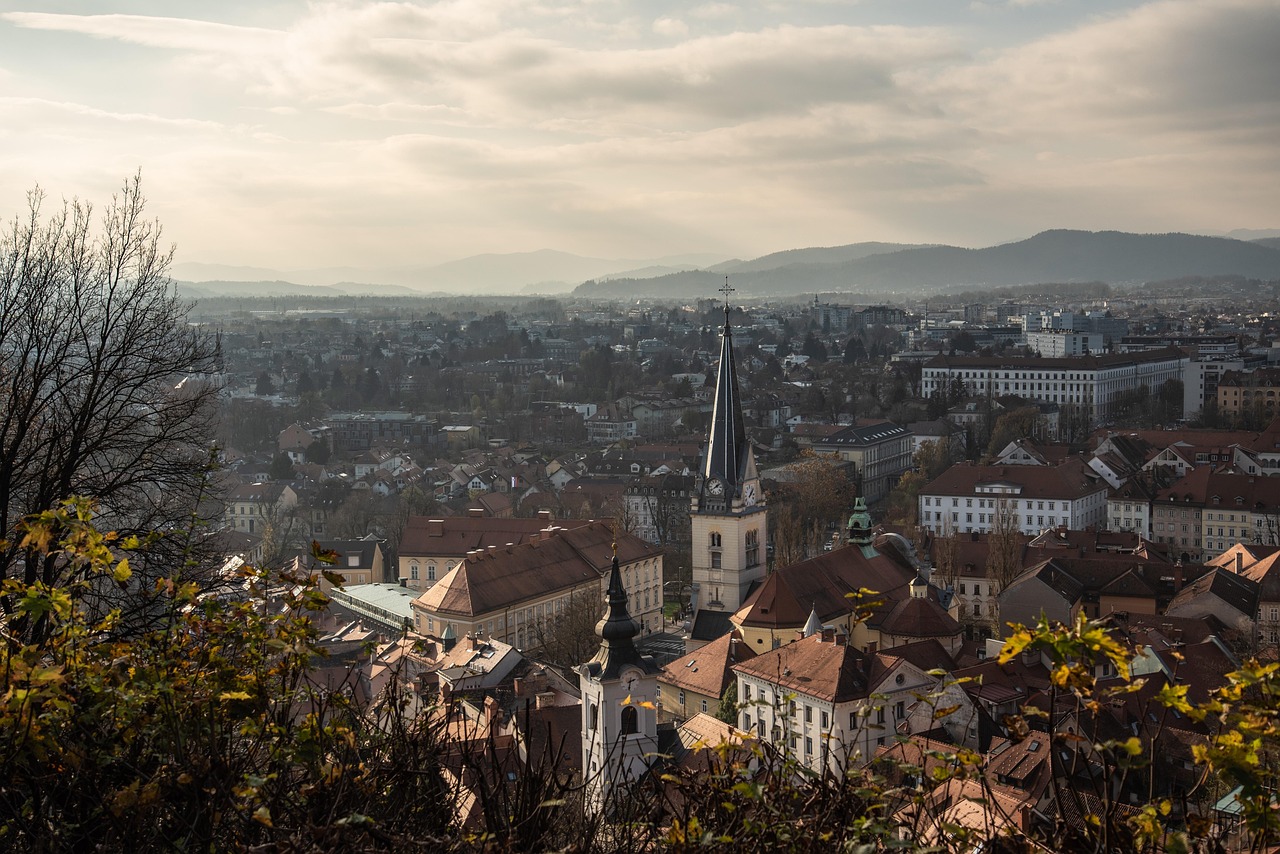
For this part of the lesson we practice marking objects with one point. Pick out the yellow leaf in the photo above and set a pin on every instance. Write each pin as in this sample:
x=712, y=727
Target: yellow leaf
x=122, y=573
x=262, y=815
x=234, y=695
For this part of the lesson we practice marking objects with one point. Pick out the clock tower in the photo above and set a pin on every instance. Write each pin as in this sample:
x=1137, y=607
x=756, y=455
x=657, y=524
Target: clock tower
x=727, y=511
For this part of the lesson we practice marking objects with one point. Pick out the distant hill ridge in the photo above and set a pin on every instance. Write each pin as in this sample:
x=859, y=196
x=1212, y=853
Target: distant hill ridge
x=1059, y=255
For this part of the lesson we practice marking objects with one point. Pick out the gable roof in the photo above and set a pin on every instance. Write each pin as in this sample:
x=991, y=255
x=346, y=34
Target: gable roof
x=560, y=560
x=813, y=667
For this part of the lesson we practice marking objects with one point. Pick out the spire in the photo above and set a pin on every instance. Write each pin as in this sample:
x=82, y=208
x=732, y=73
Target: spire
x=813, y=625
x=616, y=626
x=617, y=632
x=728, y=456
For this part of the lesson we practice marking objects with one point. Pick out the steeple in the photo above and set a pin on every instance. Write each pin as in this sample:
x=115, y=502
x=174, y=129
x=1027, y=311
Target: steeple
x=617, y=630
x=860, y=531
x=729, y=461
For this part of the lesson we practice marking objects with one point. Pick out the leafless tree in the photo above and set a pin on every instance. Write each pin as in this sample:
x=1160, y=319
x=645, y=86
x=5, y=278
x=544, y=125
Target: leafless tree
x=106, y=389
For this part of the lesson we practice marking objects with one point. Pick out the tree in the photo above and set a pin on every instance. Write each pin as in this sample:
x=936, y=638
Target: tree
x=568, y=637
x=1020, y=423
x=281, y=467
x=106, y=389
x=1005, y=544
x=318, y=452
x=264, y=386
x=815, y=498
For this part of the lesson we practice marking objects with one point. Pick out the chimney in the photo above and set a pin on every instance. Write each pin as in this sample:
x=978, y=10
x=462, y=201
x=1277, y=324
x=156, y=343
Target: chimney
x=841, y=638
x=828, y=634
x=491, y=709
x=544, y=515
x=1177, y=577
x=435, y=527
x=517, y=686
x=871, y=647
x=1239, y=561
x=475, y=512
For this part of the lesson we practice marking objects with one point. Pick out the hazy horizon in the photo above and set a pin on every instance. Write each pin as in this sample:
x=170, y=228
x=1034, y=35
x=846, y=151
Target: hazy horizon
x=291, y=135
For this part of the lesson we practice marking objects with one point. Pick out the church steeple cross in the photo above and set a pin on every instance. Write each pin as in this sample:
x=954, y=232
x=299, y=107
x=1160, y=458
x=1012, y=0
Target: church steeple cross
x=726, y=290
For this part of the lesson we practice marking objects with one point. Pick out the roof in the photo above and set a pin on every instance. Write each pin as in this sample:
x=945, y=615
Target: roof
x=920, y=617
x=1067, y=363
x=709, y=669
x=1072, y=479
x=728, y=456
x=455, y=536
x=824, y=669
x=1236, y=591
x=864, y=435
x=561, y=560
x=787, y=596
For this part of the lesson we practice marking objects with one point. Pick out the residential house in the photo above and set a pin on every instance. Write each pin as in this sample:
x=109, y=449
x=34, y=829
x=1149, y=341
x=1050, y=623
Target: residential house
x=694, y=683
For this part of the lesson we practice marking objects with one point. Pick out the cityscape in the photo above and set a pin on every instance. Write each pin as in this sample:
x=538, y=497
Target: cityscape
x=509, y=426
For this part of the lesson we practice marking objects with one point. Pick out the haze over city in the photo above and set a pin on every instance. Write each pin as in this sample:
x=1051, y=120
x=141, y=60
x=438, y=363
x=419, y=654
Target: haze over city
x=299, y=135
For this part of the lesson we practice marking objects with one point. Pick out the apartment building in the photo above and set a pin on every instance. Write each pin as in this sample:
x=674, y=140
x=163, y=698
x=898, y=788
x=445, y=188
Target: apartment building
x=967, y=498
x=1094, y=382
x=880, y=451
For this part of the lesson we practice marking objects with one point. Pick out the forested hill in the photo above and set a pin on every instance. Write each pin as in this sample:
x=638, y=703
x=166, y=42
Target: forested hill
x=1051, y=256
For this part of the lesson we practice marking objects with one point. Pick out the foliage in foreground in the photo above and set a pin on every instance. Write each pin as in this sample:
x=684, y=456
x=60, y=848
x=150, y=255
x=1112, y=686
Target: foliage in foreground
x=216, y=732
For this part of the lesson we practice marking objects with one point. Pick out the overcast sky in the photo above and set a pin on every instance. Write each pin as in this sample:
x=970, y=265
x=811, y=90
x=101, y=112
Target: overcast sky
x=303, y=134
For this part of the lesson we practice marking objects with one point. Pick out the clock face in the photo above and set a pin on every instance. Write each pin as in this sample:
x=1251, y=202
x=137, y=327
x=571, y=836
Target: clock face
x=715, y=486
x=749, y=495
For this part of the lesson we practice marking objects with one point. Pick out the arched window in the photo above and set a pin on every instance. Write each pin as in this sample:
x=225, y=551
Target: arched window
x=595, y=713
x=630, y=720
x=715, y=539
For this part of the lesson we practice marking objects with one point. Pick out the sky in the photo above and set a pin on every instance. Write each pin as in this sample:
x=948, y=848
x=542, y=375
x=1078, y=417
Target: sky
x=298, y=135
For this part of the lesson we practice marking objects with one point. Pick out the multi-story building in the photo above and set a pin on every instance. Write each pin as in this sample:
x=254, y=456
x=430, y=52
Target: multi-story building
x=353, y=432
x=252, y=507
x=880, y=451
x=657, y=507
x=1206, y=512
x=1200, y=380
x=830, y=705
x=516, y=593
x=430, y=548
x=1058, y=343
x=1249, y=393
x=1093, y=382
x=969, y=498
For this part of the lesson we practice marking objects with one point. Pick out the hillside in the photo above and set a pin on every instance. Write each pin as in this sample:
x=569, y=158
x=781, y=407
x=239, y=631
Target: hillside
x=1059, y=255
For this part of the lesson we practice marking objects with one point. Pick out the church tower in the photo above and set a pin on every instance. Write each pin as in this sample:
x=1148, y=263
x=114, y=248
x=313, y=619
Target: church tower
x=727, y=511
x=619, y=702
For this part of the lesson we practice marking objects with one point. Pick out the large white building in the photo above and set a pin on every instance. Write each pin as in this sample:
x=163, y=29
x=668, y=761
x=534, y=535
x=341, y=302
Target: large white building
x=969, y=498
x=1094, y=382
x=1058, y=343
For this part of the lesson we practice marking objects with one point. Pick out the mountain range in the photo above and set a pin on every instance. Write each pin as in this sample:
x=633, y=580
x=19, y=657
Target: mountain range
x=869, y=267
x=1051, y=256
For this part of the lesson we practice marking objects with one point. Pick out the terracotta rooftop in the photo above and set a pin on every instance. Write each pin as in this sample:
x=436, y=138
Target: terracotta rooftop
x=1072, y=479
x=813, y=667
x=455, y=536
x=558, y=561
x=709, y=669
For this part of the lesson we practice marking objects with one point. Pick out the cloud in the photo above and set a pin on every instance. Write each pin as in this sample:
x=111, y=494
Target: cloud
x=671, y=27
x=171, y=33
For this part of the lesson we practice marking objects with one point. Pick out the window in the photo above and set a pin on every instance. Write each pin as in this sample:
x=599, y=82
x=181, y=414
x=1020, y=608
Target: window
x=825, y=722
x=808, y=745
x=715, y=539
x=681, y=698
x=413, y=572
x=753, y=547
x=808, y=714
x=431, y=572
x=595, y=716
x=703, y=705
x=716, y=560
x=630, y=720
x=900, y=710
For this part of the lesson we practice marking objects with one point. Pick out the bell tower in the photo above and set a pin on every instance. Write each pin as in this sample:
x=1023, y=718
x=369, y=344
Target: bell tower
x=619, y=702
x=727, y=512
